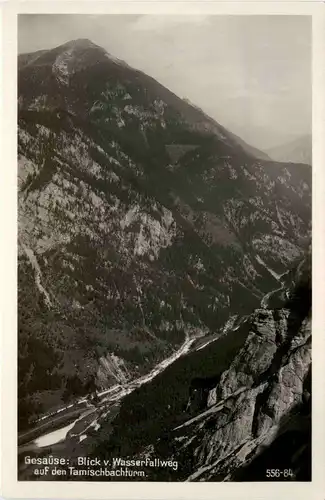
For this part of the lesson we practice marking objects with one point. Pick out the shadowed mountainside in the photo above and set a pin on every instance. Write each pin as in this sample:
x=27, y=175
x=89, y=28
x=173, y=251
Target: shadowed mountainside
x=143, y=224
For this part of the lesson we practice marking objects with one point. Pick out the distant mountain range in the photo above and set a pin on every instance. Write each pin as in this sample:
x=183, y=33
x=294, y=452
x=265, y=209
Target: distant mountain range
x=251, y=150
x=297, y=151
x=145, y=228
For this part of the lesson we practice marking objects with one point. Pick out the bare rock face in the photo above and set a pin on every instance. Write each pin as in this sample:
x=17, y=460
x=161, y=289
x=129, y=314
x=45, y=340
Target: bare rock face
x=254, y=358
x=287, y=390
x=249, y=406
x=143, y=225
x=262, y=393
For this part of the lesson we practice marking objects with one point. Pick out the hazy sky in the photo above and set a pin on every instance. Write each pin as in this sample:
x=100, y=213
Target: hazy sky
x=251, y=73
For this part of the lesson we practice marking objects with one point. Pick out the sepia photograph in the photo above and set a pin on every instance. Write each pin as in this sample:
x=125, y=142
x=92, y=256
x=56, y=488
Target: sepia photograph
x=164, y=248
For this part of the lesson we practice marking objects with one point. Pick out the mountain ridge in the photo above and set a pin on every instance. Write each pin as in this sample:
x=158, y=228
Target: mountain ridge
x=243, y=404
x=197, y=114
x=142, y=223
x=296, y=151
x=258, y=397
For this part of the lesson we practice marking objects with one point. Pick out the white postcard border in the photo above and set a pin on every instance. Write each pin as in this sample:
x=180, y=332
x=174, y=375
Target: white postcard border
x=11, y=487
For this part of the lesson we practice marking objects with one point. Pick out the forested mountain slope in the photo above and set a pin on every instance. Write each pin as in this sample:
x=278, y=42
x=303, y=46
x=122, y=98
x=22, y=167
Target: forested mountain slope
x=143, y=224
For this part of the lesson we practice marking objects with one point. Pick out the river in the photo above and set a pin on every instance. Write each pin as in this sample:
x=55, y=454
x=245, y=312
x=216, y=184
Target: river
x=112, y=395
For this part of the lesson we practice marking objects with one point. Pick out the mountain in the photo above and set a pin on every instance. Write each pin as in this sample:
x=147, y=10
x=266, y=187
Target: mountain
x=235, y=409
x=244, y=410
x=144, y=225
x=250, y=150
x=297, y=151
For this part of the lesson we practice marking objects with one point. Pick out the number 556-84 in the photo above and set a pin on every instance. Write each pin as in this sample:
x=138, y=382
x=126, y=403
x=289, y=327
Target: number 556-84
x=285, y=473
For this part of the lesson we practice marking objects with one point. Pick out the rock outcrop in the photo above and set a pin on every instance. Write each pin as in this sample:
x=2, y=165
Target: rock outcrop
x=260, y=401
x=142, y=223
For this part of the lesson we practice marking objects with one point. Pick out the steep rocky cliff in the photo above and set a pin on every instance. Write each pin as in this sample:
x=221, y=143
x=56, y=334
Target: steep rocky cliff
x=143, y=224
x=248, y=412
x=261, y=400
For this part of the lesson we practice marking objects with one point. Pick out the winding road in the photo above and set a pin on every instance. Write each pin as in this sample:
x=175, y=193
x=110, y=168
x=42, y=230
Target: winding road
x=55, y=427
